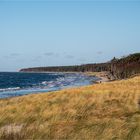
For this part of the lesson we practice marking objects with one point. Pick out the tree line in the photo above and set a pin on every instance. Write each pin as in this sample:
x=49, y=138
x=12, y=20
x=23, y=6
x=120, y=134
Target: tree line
x=118, y=68
x=77, y=68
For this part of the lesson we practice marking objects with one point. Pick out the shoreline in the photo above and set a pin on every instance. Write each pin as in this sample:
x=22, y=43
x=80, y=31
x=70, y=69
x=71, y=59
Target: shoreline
x=21, y=92
x=103, y=76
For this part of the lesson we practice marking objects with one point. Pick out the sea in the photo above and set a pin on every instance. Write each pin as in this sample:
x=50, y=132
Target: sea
x=20, y=83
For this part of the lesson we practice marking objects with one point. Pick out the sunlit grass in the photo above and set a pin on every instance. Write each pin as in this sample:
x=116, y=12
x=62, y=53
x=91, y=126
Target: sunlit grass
x=107, y=111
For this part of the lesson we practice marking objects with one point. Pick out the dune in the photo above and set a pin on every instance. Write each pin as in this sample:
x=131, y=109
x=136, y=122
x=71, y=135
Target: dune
x=106, y=111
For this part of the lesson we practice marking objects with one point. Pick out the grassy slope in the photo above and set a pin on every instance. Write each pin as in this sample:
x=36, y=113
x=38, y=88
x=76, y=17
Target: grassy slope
x=106, y=111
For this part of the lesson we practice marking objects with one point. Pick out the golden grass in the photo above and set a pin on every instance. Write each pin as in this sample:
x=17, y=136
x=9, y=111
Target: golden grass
x=107, y=111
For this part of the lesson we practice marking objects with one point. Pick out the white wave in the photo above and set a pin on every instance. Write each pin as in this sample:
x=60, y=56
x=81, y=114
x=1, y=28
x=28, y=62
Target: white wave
x=44, y=83
x=9, y=89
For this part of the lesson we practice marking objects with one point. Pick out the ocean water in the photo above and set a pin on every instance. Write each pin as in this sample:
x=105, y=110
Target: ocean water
x=17, y=84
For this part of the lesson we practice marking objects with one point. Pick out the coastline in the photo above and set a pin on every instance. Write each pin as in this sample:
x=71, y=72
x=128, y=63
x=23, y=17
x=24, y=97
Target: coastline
x=100, y=77
x=103, y=76
x=77, y=79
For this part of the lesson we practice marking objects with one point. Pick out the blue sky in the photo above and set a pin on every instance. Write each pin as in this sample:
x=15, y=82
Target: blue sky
x=48, y=33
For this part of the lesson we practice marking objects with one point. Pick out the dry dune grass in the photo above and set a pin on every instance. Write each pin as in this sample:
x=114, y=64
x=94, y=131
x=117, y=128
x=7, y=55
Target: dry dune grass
x=107, y=111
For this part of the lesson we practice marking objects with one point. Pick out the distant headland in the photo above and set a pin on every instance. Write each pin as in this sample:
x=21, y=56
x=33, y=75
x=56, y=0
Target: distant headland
x=121, y=68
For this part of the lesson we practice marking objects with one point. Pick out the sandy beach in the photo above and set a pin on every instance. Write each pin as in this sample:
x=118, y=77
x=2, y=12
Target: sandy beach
x=103, y=76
